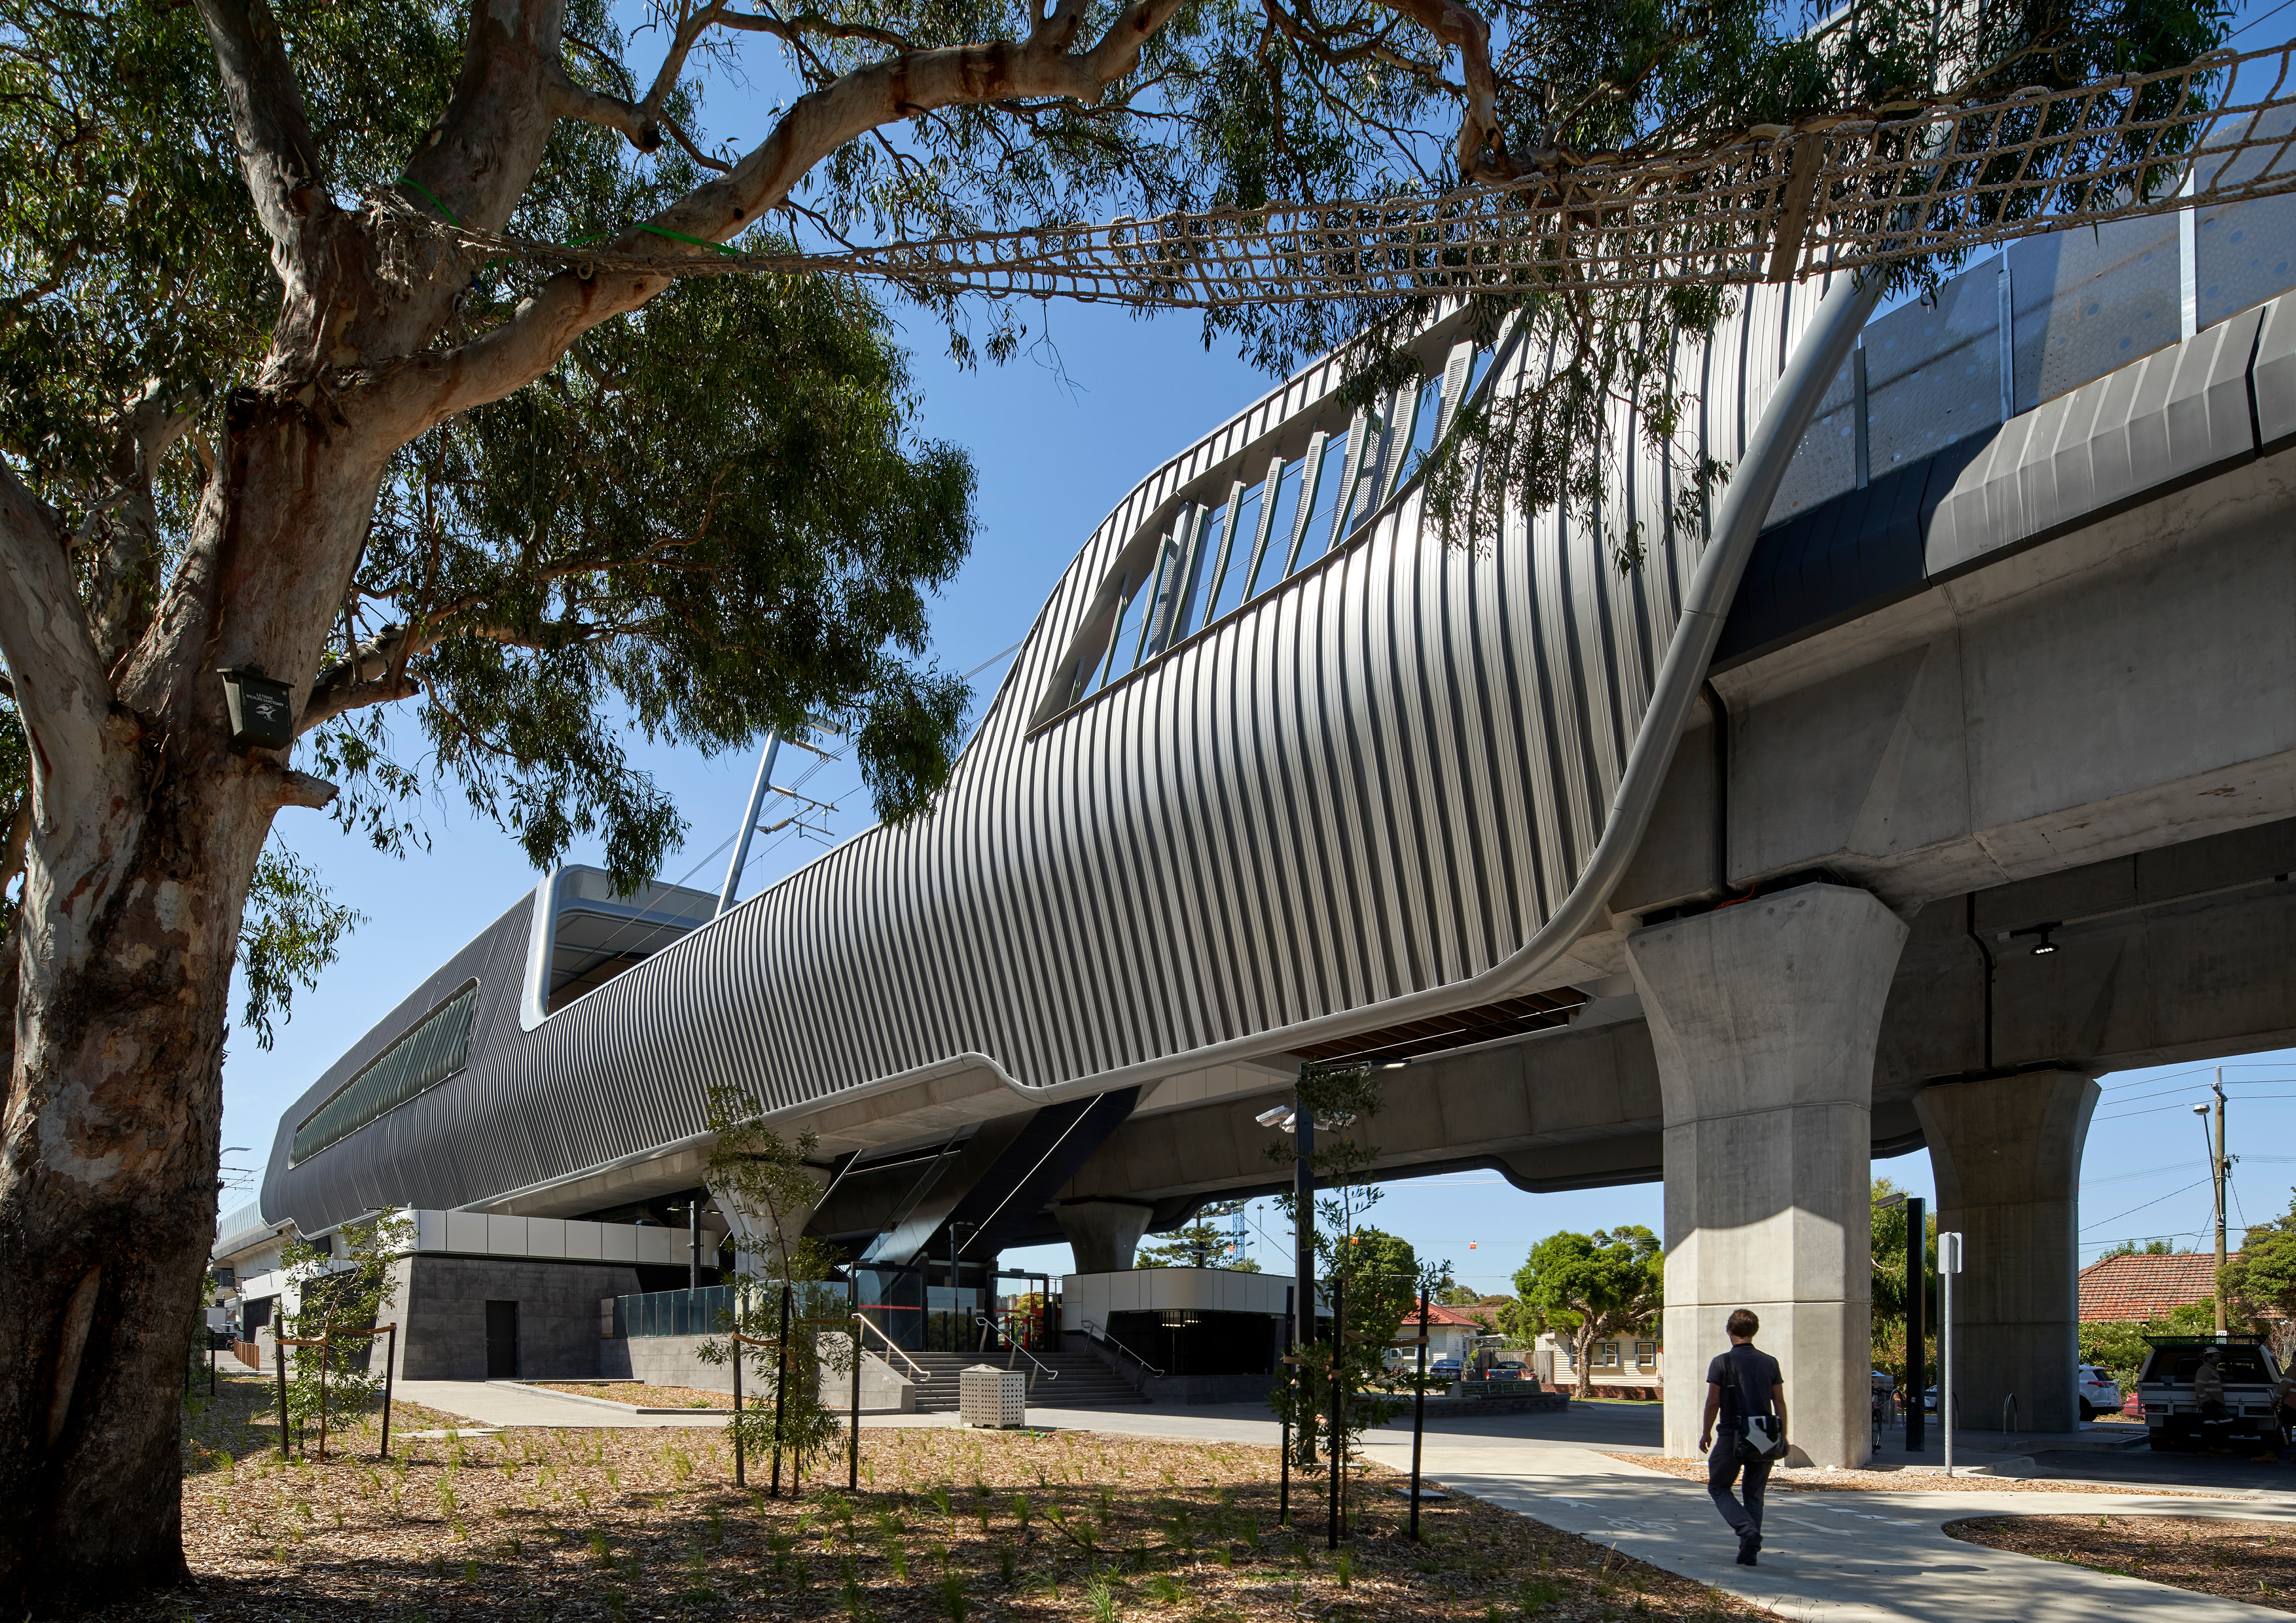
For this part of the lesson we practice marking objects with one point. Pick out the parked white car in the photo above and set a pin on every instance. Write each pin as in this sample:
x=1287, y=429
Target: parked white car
x=2100, y=1393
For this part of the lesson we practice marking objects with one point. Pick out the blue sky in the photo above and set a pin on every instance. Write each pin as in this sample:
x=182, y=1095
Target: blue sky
x=1057, y=437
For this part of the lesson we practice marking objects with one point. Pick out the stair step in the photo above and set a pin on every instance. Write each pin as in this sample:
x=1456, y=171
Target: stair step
x=1078, y=1380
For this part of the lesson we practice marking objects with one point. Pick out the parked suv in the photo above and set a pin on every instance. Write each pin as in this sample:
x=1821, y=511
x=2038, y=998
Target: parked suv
x=2100, y=1393
x=2172, y=1418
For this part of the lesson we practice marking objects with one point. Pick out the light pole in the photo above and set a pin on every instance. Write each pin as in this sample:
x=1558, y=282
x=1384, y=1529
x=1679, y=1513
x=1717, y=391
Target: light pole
x=1916, y=1292
x=1948, y=1265
x=1299, y=1122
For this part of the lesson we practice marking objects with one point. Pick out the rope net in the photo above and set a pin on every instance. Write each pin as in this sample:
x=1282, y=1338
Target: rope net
x=1834, y=192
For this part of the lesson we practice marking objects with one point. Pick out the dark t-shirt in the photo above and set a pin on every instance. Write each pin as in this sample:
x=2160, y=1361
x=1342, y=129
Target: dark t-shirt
x=1746, y=1375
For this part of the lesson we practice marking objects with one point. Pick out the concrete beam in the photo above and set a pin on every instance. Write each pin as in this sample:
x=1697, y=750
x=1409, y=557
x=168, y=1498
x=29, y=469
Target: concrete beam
x=2034, y=715
x=1552, y=1089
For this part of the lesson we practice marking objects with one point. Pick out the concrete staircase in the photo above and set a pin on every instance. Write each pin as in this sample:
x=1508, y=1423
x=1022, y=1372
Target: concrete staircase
x=1084, y=1382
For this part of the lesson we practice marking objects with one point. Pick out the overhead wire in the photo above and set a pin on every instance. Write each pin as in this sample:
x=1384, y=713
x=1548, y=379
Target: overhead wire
x=2171, y=1195
x=2156, y=1108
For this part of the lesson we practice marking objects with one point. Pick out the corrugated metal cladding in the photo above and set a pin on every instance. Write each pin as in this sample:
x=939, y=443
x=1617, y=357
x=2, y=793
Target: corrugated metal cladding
x=1376, y=779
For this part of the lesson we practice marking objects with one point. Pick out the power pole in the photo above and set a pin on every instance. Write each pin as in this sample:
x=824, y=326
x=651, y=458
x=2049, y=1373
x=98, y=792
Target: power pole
x=2219, y=1164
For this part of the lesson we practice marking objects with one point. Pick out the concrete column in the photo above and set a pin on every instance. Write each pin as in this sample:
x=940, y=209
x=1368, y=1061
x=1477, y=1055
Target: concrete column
x=758, y=1239
x=2007, y=1155
x=1763, y=1017
x=1103, y=1233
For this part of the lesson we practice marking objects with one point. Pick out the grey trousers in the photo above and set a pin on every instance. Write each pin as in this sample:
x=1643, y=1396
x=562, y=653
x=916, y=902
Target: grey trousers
x=1722, y=1468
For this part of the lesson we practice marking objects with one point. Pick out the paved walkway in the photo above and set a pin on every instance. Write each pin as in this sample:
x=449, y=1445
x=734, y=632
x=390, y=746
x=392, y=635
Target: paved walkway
x=494, y=1404
x=1845, y=1557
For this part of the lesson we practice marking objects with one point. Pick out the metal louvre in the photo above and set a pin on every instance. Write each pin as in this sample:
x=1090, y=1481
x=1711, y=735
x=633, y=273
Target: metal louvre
x=1376, y=778
x=430, y=1051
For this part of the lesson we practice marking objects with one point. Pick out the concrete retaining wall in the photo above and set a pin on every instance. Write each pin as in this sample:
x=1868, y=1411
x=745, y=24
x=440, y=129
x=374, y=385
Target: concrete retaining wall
x=673, y=1361
x=1529, y=1402
x=1207, y=1388
x=441, y=1312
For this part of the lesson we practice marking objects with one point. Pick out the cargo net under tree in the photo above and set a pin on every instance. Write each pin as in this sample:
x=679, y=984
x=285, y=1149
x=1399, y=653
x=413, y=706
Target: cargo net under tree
x=1918, y=180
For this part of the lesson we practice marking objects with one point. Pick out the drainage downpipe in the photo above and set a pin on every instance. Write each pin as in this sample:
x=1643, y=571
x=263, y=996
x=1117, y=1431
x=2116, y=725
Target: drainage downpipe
x=1718, y=710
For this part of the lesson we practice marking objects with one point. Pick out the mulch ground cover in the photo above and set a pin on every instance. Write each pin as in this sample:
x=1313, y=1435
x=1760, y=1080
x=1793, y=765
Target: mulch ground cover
x=642, y=1395
x=2239, y=1560
x=965, y=1527
x=1908, y=1480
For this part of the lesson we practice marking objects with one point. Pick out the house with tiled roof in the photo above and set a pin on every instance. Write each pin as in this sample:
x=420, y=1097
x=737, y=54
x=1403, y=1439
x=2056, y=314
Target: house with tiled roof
x=1632, y=1366
x=1451, y=1330
x=2143, y=1287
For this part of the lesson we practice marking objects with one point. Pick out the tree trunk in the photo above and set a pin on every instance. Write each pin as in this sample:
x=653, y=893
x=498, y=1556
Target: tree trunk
x=107, y=1203
x=134, y=890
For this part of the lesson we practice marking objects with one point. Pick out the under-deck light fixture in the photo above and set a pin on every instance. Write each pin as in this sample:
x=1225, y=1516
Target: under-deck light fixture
x=2042, y=947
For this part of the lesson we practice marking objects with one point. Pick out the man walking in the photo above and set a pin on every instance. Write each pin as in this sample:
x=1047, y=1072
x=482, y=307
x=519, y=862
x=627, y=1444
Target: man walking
x=1743, y=1382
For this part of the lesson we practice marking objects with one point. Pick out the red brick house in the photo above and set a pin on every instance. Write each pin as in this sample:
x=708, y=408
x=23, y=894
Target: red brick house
x=2147, y=1287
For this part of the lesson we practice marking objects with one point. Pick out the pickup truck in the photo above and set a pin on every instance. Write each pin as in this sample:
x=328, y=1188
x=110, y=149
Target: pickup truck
x=2172, y=1418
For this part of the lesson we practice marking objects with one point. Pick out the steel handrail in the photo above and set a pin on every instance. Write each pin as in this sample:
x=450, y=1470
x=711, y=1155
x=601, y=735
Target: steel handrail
x=923, y=1375
x=1046, y=1370
x=1099, y=1333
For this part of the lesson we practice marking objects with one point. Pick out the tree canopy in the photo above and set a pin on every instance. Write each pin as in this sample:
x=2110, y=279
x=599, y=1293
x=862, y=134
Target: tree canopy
x=2260, y=1282
x=1203, y=1244
x=710, y=518
x=1611, y=1282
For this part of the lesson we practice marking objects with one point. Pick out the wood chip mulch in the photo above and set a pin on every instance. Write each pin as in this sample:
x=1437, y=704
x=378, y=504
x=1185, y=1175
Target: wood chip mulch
x=2239, y=1560
x=616, y=1524
x=1907, y=1480
x=641, y=1395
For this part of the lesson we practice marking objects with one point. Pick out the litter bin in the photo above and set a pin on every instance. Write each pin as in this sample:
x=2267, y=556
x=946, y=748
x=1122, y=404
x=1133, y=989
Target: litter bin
x=987, y=1395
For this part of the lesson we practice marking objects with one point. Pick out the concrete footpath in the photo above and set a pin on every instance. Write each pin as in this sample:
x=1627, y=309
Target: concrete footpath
x=1844, y=1557
x=496, y=1403
x=1847, y=1557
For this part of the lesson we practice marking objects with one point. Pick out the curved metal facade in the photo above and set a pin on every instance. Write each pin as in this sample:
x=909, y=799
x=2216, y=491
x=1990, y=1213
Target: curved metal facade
x=1376, y=779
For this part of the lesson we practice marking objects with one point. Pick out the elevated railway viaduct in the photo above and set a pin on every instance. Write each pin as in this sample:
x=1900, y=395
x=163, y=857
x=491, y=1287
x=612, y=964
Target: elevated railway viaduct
x=1283, y=773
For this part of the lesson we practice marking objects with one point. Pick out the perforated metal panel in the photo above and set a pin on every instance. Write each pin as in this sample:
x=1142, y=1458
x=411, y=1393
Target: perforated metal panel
x=2088, y=302
x=987, y=1395
x=2244, y=254
x=1933, y=371
x=1826, y=462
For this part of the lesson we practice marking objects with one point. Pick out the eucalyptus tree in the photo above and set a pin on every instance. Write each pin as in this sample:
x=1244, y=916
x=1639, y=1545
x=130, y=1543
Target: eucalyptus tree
x=263, y=409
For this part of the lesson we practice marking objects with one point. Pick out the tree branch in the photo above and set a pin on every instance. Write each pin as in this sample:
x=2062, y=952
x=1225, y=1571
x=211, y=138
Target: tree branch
x=78, y=762
x=128, y=568
x=569, y=100
x=1482, y=141
x=276, y=152
x=287, y=787
x=429, y=387
x=376, y=674
x=495, y=127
